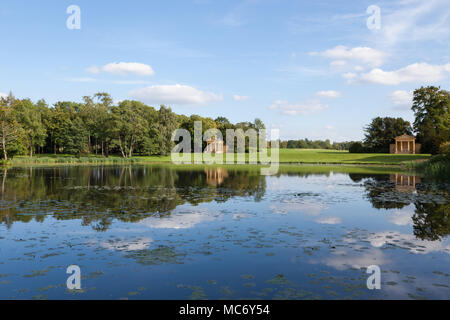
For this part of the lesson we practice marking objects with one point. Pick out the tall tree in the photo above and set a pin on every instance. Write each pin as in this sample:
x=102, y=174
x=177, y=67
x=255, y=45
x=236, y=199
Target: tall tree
x=381, y=132
x=167, y=124
x=29, y=116
x=129, y=126
x=11, y=132
x=431, y=106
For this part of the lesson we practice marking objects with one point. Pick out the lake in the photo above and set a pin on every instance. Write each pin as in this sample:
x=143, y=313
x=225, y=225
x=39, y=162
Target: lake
x=167, y=232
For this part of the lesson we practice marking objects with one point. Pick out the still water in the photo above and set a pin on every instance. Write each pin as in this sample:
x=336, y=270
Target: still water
x=162, y=232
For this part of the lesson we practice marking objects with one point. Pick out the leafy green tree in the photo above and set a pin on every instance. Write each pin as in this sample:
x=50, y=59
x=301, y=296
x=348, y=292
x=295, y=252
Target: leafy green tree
x=11, y=132
x=29, y=116
x=167, y=124
x=129, y=126
x=431, y=107
x=381, y=132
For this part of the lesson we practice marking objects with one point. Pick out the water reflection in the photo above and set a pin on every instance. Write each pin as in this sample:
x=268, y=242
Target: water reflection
x=431, y=217
x=99, y=195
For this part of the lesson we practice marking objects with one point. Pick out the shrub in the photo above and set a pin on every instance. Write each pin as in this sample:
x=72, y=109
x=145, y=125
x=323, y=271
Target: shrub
x=357, y=147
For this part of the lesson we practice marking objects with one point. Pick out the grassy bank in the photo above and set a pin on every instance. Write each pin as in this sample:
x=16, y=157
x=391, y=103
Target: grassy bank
x=287, y=156
x=437, y=167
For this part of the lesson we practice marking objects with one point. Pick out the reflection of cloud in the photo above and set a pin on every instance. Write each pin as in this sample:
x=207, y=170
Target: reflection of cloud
x=406, y=241
x=402, y=217
x=127, y=245
x=329, y=220
x=239, y=216
x=178, y=221
x=350, y=259
x=306, y=208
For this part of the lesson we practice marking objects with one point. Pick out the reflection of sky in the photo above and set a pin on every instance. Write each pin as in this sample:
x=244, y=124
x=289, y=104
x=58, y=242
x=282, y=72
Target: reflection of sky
x=408, y=242
x=179, y=220
x=402, y=217
x=224, y=240
x=127, y=245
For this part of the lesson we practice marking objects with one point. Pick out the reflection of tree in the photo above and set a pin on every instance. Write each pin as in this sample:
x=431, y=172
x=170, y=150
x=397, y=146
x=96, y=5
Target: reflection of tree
x=381, y=191
x=99, y=195
x=431, y=220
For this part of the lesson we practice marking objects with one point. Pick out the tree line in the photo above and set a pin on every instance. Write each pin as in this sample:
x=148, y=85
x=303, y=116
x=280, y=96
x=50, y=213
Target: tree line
x=96, y=126
x=431, y=107
x=315, y=144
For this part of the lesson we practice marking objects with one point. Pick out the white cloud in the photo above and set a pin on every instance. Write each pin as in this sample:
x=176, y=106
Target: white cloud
x=342, y=54
x=417, y=72
x=329, y=220
x=123, y=69
x=240, y=98
x=174, y=94
x=416, y=20
x=402, y=99
x=299, y=108
x=331, y=94
x=3, y=95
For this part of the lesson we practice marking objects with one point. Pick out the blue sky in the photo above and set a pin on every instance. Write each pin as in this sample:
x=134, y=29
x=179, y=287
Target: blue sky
x=313, y=69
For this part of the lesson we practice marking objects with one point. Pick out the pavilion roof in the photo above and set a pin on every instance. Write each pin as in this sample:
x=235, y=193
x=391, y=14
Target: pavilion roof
x=405, y=137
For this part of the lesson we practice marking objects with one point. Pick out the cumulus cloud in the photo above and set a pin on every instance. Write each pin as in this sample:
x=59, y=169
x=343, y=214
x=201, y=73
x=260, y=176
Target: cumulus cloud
x=174, y=94
x=3, y=95
x=402, y=99
x=240, y=98
x=123, y=69
x=417, y=72
x=340, y=55
x=331, y=94
x=298, y=108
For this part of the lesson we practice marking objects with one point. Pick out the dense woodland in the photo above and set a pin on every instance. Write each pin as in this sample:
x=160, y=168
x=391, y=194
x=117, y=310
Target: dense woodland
x=96, y=126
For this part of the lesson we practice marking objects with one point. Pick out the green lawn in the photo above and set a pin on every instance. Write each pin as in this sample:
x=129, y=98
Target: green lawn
x=343, y=157
x=287, y=156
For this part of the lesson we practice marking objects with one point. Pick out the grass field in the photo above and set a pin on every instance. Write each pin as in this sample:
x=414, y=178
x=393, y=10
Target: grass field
x=287, y=156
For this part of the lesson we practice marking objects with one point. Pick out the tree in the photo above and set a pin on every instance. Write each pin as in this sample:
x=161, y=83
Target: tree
x=167, y=124
x=129, y=125
x=29, y=116
x=381, y=132
x=11, y=132
x=431, y=107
